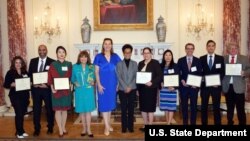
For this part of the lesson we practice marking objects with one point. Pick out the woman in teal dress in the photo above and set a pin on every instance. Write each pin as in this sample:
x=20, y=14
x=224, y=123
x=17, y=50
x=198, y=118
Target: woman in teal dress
x=61, y=99
x=84, y=79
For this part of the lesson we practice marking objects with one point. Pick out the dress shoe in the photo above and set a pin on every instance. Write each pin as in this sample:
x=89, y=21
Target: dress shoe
x=50, y=131
x=131, y=130
x=111, y=129
x=106, y=132
x=20, y=136
x=83, y=134
x=25, y=134
x=60, y=135
x=65, y=133
x=142, y=129
x=36, y=133
x=91, y=135
x=124, y=130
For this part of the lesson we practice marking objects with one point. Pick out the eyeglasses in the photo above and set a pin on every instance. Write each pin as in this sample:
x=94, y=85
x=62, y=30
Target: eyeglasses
x=189, y=48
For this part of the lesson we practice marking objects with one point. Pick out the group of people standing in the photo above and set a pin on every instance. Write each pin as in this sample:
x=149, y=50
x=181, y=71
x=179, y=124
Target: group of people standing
x=111, y=76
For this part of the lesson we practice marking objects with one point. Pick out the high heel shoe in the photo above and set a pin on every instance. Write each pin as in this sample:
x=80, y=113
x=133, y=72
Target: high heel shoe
x=106, y=132
x=111, y=129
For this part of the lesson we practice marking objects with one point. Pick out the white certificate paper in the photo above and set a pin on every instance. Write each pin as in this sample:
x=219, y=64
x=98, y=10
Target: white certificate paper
x=194, y=80
x=22, y=84
x=212, y=80
x=61, y=83
x=233, y=69
x=40, y=78
x=143, y=77
x=171, y=80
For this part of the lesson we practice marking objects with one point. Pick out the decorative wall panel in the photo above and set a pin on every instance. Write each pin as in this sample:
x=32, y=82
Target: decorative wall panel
x=231, y=22
x=16, y=28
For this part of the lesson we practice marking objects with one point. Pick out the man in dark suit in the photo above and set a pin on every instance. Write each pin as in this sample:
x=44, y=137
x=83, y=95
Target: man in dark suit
x=234, y=87
x=189, y=64
x=212, y=64
x=41, y=92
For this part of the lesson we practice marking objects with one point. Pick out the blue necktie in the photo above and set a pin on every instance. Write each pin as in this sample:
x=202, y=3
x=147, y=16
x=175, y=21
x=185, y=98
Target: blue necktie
x=210, y=62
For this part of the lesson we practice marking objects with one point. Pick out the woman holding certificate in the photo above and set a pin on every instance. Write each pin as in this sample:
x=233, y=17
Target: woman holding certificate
x=106, y=79
x=168, y=92
x=58, y=78
x=83, y=77
x=148, y=90
x=19, y=99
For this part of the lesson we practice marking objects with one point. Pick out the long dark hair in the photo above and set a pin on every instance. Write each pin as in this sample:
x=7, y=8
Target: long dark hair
x=81, y=54
x=163, y=62
x=23, y=68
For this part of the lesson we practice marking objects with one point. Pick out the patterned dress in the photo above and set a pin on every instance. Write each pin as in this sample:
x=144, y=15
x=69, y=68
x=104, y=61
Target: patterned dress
x=84, y=93
x=167, y=98
x=62, y=99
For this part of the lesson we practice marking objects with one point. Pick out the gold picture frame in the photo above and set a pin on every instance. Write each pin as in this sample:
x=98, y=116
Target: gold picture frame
x=135, y=16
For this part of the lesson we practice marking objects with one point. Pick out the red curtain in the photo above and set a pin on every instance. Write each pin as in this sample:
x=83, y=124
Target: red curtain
x=231, y=22
x=16, y=28
x=2, y=101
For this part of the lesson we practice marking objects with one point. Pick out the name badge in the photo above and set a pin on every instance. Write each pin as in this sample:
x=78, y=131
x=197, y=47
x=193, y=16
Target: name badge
x=47, y=68
x=218, y=66
x=170, y=71
x=64, y=68
x=193, y=69
x=25, y=75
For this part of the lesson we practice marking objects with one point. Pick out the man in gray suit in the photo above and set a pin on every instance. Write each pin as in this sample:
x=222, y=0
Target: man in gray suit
x=234, y=87
x=126, y=73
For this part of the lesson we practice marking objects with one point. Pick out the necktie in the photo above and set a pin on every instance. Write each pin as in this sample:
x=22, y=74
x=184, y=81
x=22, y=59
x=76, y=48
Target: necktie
x=210, y=62
x=189, y=64
x=41, y=67
x=232, y=60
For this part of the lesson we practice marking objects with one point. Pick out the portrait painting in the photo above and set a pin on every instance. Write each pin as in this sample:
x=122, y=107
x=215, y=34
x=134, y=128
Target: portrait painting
x=123, y=14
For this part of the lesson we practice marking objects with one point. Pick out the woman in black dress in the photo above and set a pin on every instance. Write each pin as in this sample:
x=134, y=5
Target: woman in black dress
x=19, y=99
x=148, y=91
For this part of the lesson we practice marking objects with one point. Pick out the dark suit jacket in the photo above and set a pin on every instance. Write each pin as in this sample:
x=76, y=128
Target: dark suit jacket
x=183, y=68
x=239, y=82
x=154, y=67
x=33, y=67
x=217, y=68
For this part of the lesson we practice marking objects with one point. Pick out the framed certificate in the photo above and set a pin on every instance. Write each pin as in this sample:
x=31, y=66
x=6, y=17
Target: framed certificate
x=233, y=69
x=194, y=80
x=61, y=83
x=22, y=84
x=143, y=77
x=171, y=80
x=212, y=80
x=40, y=78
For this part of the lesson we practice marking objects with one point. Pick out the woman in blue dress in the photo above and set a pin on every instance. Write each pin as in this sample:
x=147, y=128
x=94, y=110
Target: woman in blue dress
x=83, y=78
x=168, y=95
x=106, y=79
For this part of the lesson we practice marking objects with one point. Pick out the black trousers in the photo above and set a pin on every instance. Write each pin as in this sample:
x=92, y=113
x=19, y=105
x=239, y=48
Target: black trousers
x=235, y=99
x=187, y=94
x=20, y=104
x=127, y=108
x=215, y=93
x=39, y=95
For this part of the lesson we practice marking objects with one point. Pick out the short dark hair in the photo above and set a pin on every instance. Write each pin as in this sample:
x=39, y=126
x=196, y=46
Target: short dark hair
x=81, y=54
x=61, y=47
x=127, y=46
x=147, y=48
x=189, y=44
x=211, y=41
